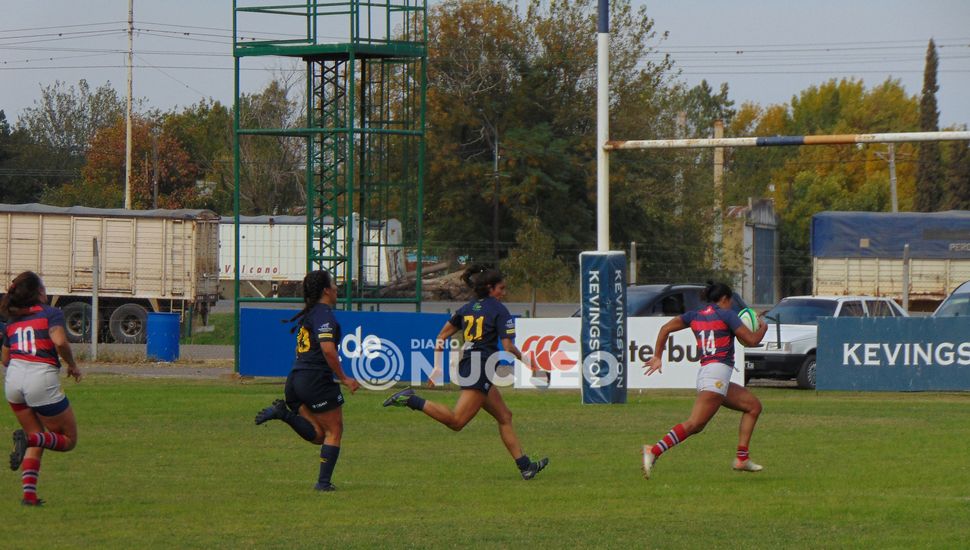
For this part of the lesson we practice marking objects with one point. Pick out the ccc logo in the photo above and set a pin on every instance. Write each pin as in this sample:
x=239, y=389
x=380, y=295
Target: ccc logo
x=545, y=352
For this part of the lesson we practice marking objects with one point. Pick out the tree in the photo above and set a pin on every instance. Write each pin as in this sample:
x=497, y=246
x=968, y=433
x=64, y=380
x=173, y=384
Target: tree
x=66, y=118
x=929, y=178
x=25, y=168
x=533, y=263
x=205, y=131
x=103, y=176
x=958, y=178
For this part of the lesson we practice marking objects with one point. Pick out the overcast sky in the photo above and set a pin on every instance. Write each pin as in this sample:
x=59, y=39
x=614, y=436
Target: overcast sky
x=767, y=51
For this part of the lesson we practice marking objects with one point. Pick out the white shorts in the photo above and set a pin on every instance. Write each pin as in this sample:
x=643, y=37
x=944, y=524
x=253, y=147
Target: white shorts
x=32, y=384
x=715, y=377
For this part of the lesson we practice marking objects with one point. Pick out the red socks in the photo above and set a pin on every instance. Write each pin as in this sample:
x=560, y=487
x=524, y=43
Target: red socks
x=31, y=469
x=48, y=440
x=742, y=453
x=676, y=435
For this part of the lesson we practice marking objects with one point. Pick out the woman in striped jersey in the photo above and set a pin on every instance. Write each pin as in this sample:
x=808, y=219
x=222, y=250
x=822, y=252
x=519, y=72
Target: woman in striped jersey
x=715, y=327
x=33, y=340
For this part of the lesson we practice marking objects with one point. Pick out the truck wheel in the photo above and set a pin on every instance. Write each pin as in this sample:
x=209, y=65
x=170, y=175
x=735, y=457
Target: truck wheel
x=77, y=322
x=128, y=324
x=806, y=374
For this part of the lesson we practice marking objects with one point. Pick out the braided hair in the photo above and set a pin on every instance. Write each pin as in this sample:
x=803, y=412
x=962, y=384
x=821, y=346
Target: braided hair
x=715, y=291
x=23, y=293
x=314, y=284
x=481, y=279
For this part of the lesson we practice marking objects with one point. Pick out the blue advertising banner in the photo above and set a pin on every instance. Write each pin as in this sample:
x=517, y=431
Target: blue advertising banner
x=893, y=354
x=378, y=349
x=603, y=326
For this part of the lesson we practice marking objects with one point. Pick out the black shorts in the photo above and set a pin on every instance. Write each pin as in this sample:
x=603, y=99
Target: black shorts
x=313, y=388
x=472, y=374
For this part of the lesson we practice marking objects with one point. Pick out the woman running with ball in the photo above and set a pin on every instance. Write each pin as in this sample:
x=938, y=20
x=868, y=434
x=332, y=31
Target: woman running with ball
x=715, y=327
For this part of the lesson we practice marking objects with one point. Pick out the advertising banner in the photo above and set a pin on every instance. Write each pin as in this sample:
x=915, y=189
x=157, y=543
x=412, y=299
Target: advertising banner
x=553, y=345
x=893, y=354
x=602, y=337
x=378, y=349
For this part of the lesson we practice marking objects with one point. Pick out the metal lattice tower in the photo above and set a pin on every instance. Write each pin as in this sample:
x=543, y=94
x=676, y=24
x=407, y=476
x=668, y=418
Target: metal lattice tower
x=364, y=131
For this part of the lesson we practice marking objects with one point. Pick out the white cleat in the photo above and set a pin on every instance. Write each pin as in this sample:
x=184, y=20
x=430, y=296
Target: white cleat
x=747, y=466
x=648, y=460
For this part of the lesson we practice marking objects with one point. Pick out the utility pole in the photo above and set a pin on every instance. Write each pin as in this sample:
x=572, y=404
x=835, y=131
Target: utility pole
x=154, y=168
x=890, y=157
x=892, y=176
x=718, y=193
x=131, y=53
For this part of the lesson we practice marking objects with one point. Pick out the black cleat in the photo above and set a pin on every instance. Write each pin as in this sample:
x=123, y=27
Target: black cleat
x=399, y=399
x=276, y=411
x=19, y=449
x=534, y=468
x=38, y=502
x=325, y=487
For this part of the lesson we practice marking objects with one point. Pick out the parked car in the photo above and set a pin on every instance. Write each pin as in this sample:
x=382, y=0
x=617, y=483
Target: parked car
x=668, y=300
x=957, y=304
x=788, y=349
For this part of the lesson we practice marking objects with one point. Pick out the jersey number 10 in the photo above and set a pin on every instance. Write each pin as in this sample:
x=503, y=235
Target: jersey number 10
x=26, y=340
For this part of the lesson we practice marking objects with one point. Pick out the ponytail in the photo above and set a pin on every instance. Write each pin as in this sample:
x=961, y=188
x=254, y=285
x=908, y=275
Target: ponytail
x=481, y=279
x=314, y=284
x=22, y=294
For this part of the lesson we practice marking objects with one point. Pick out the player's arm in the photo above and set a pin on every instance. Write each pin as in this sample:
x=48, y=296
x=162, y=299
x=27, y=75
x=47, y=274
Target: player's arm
x=5, y=356
x=63, y=346
x=329, y=349
x=655, y=363
x=444, y=334
x=749, y=337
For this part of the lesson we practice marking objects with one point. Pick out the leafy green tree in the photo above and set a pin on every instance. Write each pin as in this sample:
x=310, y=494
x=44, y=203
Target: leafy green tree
x=205, y=131
x=532, y=263
x=930, y=176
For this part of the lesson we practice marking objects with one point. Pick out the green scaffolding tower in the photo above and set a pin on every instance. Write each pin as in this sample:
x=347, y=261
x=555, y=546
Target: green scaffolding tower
x=363, y=128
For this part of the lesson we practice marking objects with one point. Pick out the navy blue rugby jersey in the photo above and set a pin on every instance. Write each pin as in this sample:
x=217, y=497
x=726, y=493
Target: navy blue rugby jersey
x=714, y=328
x=484, y=323
x=319, y=325
x=29, y=338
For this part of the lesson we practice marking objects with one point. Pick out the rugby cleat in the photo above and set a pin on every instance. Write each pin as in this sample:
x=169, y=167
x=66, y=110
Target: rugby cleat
x=19, y=449
x=747, y=466
x=38, y=502
x=276, y=411
x=325, y=487
x=399, y=399
x=534, y=468
x=648, y=459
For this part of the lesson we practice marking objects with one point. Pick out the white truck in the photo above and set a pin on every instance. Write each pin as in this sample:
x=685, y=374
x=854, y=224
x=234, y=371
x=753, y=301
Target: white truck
x=865, y=253
x=151, y=260
x=273, y=254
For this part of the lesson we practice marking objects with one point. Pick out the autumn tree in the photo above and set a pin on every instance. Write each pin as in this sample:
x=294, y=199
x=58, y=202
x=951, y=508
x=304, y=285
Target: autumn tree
x=929, y=180
x=103, y=175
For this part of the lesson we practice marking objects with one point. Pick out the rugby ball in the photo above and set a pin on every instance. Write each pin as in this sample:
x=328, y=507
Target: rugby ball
x=749, y=318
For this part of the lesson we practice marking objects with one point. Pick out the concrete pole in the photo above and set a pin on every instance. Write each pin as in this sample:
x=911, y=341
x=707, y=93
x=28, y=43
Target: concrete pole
x=633, y=263
x=96, y=275
x=892, y=176
x=131, y=52
x=906, y=277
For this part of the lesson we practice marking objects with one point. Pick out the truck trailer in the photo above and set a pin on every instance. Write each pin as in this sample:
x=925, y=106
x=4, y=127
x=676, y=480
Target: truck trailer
x=150, y=260
x=863, y=253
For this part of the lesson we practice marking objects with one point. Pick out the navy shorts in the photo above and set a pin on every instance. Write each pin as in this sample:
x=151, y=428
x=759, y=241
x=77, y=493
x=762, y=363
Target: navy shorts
x=314, y=388
x=472, y=374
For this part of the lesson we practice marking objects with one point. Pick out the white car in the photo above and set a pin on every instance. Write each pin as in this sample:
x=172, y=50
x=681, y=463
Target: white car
x=957, y=304
x=788, y=349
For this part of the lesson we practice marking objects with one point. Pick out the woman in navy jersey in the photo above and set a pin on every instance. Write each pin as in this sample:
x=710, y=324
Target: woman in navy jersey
x=715, y=327
x=33, y=340
x=313, y=405
x=486, y=324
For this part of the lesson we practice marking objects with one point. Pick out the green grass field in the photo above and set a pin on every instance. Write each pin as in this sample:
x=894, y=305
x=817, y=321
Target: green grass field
x=179, y=463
